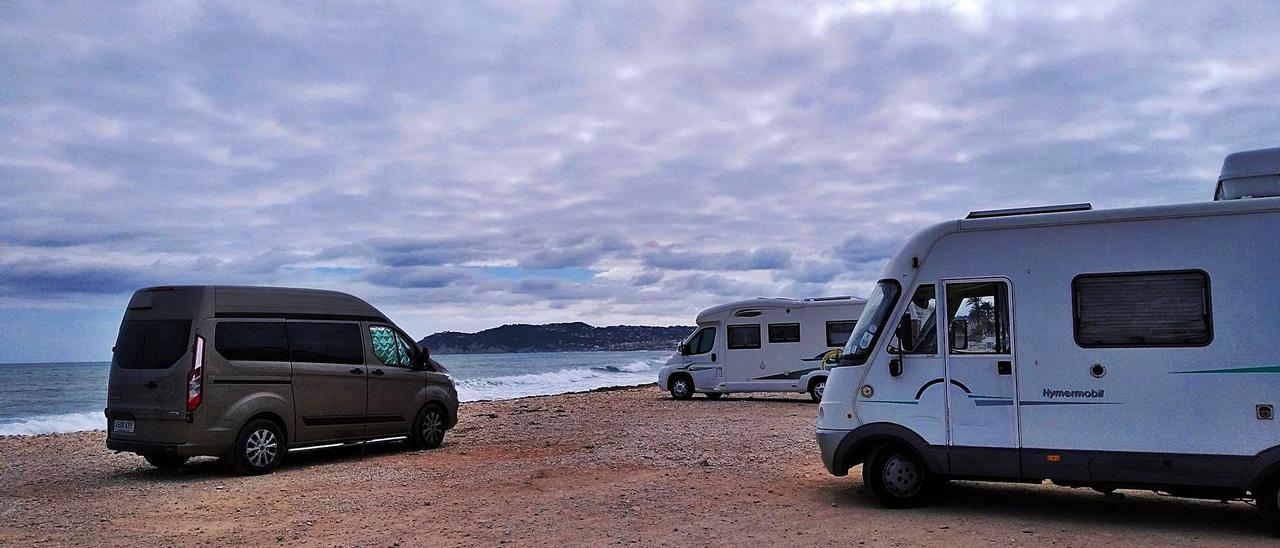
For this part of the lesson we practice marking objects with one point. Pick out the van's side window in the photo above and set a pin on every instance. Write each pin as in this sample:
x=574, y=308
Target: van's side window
x=784, y=332
x=315, y=342
x=978, y=317
x=919, y=325
x=389, y=347
x=744, y=337
x=252, y=341
x=838, y=332
x=1142, y=309
x=703, y=342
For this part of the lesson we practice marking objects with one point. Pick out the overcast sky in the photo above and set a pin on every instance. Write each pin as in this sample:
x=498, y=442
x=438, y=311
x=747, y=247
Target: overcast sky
x=463, y=166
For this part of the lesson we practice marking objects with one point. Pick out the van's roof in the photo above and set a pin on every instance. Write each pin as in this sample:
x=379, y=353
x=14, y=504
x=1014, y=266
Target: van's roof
x=1251, y=163
x=780, y=302
x=288, y=302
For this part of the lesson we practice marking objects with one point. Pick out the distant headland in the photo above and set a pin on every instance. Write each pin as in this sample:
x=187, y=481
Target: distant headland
x=556, y=337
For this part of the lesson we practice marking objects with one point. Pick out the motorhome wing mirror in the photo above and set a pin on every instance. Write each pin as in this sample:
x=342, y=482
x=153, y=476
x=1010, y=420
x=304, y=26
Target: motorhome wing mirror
x=684, y=349
x=904, y=334
x=959, y=335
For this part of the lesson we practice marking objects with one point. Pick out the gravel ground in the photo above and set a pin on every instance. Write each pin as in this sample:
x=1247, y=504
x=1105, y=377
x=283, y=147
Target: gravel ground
x=626, y=466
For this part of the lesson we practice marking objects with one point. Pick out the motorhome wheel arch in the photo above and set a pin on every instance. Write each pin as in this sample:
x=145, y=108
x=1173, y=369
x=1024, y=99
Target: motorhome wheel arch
x=252, y=372
x=761, y=345
x=1127, y=348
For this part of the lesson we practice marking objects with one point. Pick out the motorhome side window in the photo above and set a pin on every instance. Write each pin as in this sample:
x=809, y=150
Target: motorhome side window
x=1142, y=309
x=314, y=342
x=252, y=341
x=838, y=332
x=389, y=347
x=703, y=342
x=918, y=329
x=784, y=333
x=978, y=317
x=744, y=336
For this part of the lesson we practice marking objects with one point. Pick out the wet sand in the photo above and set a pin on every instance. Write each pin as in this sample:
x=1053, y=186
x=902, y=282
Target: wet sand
x=625, y=466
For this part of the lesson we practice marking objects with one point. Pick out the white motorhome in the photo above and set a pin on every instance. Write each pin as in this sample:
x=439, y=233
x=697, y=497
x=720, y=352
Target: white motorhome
x=1113, y=349
x=1250, y=174
x=762, y=345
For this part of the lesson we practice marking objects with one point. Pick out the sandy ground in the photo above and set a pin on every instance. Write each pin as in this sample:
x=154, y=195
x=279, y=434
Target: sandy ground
x=629, y=466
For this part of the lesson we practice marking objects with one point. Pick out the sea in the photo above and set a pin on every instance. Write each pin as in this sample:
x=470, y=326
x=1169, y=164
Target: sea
x=43, y=398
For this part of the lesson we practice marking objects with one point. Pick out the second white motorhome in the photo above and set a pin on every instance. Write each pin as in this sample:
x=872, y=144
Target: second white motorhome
x=762, y=345
x=1130, y=348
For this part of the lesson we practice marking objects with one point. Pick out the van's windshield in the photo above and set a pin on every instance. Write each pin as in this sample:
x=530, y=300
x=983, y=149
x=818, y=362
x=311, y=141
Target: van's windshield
x=870, y=324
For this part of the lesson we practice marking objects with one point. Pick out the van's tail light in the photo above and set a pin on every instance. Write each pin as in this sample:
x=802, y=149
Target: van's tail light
x=195, y=379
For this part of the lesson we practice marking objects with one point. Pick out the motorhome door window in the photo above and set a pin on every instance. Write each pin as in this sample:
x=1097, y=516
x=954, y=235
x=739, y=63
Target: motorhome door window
x=744, y=337
x=977, y=313
x=1142, y=309
x=703, y=341
x=784, y=333
x=838, y=332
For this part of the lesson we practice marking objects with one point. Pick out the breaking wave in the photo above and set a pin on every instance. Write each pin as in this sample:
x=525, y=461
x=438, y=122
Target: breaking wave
x=52, y=424
x=572, y=379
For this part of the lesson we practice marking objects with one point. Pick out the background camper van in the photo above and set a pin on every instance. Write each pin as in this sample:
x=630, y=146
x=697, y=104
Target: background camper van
x=1127, y=348
x=762, y=345
x=248, y=373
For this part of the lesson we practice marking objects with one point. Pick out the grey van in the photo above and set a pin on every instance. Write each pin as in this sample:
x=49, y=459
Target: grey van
x=248, y=373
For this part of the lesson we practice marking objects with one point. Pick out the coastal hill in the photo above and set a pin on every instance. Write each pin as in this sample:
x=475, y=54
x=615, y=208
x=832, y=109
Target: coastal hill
x=556, y=337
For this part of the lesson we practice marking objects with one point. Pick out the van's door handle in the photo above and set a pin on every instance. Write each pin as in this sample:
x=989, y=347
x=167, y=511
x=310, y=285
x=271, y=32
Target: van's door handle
x=377, y=371
x=1004, y=367
x=357, y=371
x=713, y=357
x=151, y=384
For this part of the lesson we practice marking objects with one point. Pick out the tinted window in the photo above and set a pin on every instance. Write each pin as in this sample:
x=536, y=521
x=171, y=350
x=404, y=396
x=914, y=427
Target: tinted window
x=1141, y=310
x=744, y=336
x=784, y=332
x=978, y=317
x=151, y=344
x=707, y=341
x=325, y=342
x=838, y=332
x=390, y=347
x=253, y=341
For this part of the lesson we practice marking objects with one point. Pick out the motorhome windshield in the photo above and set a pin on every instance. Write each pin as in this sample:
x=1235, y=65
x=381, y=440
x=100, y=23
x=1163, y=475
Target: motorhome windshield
x=870, y=324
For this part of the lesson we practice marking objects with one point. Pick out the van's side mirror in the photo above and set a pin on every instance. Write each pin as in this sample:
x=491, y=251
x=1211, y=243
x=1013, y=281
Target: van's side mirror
x=424, y=359
x=684, y=349
x=959, y=335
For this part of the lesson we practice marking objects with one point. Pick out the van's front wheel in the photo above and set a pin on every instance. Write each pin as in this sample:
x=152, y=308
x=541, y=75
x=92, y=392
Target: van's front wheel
x=897, y=477
x=165, y=461
x=1268, y=499
x=681, y=387
x=259, y=448
x=428, y=429
x=816, y=388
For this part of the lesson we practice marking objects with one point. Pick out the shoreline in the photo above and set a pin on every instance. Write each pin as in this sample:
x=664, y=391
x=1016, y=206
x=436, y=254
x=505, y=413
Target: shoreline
x=622, y=465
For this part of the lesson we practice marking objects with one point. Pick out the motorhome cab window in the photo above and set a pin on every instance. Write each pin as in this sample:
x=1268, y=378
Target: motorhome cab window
x=838, y=332
x=784, y=333
x=744, y=336
x=918, y=329
x=325, y=343
x=252, y=341
x=978, y=318
x=1142, y=309
x=867, y=331
x=389, y=347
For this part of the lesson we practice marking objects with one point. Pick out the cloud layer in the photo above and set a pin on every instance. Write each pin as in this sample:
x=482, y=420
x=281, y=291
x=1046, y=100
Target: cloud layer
x=464, y=165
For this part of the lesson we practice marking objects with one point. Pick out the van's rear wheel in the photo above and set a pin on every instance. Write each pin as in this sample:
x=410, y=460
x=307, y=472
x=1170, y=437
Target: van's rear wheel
x=817, y=387
x=259, y=448
x=428, y=429
x=898, y=477
x=1268, y=499
x=681, y=387
x=165, y=461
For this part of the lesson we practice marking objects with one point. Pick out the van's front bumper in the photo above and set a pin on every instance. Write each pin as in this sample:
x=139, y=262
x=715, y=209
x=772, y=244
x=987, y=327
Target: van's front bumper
x=829, y=443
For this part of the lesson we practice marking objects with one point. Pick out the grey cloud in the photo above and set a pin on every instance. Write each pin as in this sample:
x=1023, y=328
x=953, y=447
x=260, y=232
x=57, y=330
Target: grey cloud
x=417, y=277
x=582, y=250
x=670, y=257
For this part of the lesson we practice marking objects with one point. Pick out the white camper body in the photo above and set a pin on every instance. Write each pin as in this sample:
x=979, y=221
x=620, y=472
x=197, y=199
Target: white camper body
x=1126, y=348
x=762, y=345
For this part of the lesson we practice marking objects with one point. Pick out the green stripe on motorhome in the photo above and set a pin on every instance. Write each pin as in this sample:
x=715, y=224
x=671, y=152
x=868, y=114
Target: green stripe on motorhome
x=1261, y=369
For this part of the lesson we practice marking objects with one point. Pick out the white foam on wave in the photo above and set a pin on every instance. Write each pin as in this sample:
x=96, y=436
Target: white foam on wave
x=52, y=424
x=573, y=379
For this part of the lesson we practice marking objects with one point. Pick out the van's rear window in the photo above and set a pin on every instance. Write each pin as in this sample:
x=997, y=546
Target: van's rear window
x=151, y=344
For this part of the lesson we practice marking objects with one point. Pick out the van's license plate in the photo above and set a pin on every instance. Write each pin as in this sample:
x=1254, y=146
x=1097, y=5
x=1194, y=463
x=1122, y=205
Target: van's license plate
x=122, y=426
